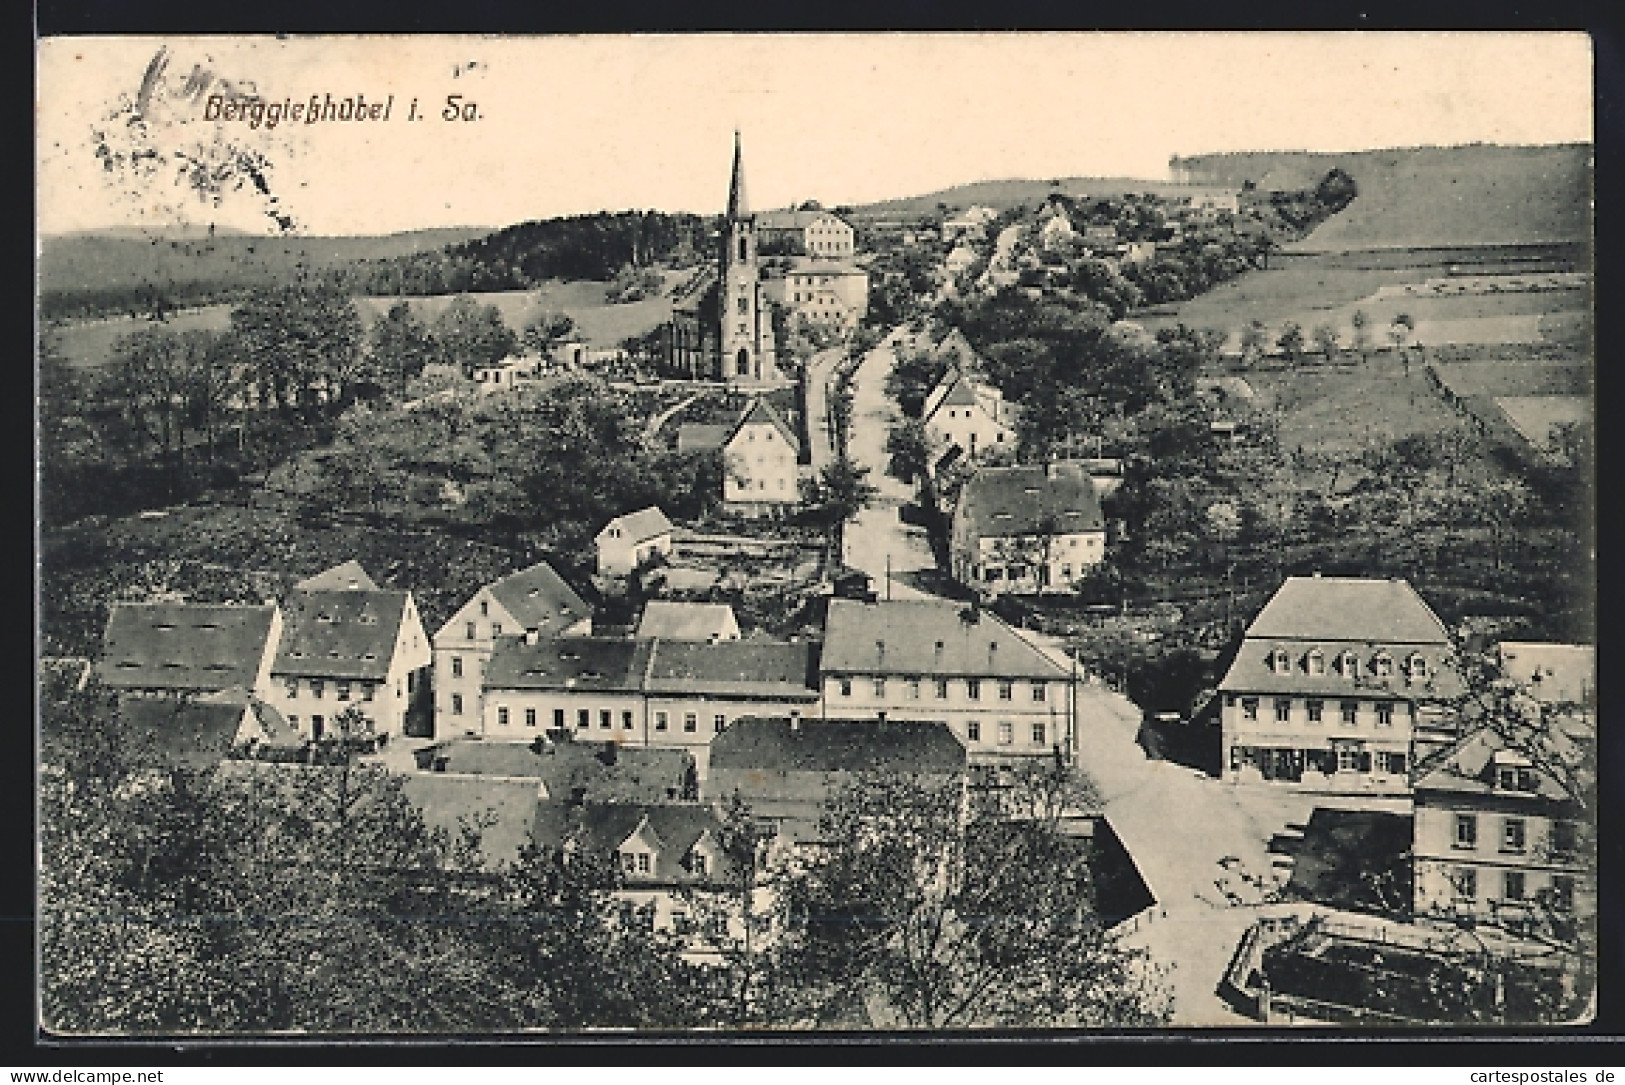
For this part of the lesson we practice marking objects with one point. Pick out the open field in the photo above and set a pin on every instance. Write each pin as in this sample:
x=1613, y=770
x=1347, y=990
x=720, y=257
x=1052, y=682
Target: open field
x=1342, y=410
x=89, y=343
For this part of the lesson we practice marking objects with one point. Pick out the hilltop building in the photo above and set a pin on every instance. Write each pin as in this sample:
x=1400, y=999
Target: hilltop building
x=721, y=327
x=807, y=231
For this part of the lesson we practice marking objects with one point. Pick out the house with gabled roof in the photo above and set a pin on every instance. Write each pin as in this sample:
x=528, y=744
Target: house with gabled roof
x=935, y=659
x=565, y=769
x=669, y=619
x=186, y=649
x=788, y=767
x=1500, y=836
x=359, y=647
x=1027, y=529
x=965, y=412
x=760, y=455
x=534, y=599
x=810, y=231
x=1334, y=681
x=345, y=576
x=632, y=540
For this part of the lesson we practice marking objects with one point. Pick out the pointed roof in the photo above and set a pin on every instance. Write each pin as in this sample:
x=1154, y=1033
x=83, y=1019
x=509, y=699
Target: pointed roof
x=738, y=205
x=928, y=637
x=1348, y=608
x=538, y=598
x=1030, y=499
x=349, y=576
x=639, y=526
x=761, y=413
x=340, y=633
x=184, y=646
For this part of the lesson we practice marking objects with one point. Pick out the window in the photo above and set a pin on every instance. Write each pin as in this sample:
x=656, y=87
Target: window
x=316, y=727
x=660, y=721
x=1038, y=734
x=1249, y=708
x=468, y=630
x=366, y=691
x=293, y=721
x=1279, y=662
x=1563, y=892
x=456, y=666
x=1563, y=839
x=1006, y=733
x=1348, y=759
x=1317, y=662
x=1382, y=665
x=718, y=722
x=502, y=716
x=558, y=719
x=973, y=731
x=1348, y=665
x=1418, y=668
x=1512, y=834
x=496, y=629
x=1385, y=714
x=1466, y=881
x=1348, y=709
x=914, y=689
x=1038, y=692
x=1283, y=709
x=744, y=305
x=696, y=863
x=583, y=719
x=626, y=720
x=316, y=687
x=1466, y=831
x=1391, y=763
x=643, y=862
x=1007, y=689
x=1316, y=710
x=530, y=717
x=341, y=690
x=485, y=608
x=942, y=688
x=292, y=685
x=1512, y=885
x=1066, y=570
x=880, y=687
x=691, y=721
x=605, y=717
x=973, y=688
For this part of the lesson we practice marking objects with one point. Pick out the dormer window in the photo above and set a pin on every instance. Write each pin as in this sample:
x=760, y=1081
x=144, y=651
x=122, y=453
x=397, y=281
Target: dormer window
x=1418, y=667
x=1382, y=665
x=1317, y=662
x=1280, y=663
x=1348, y=665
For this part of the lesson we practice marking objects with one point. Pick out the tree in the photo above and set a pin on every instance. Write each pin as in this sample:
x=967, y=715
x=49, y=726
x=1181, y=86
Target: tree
x=909, y=449
x=923, y=912
x=839, y=492
x=1362, y=332
x=1325, y=338
x=470, y=335
x=400, y=347
x=546, y=330
x=1253, y=339
x=914, y=373
x=301, y=345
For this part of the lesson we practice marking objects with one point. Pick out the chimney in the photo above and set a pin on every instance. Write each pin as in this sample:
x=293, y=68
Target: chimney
x=532, y=636
x=795, y=721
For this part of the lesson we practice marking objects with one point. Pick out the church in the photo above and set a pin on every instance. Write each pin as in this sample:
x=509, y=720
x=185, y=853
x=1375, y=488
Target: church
x=722, y=323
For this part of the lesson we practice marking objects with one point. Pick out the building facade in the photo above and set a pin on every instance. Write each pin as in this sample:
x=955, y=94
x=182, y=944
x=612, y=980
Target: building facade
x=760, y=463
x=809, y=231
x=1333, y=679
x=1024, y=530
x=632, y=540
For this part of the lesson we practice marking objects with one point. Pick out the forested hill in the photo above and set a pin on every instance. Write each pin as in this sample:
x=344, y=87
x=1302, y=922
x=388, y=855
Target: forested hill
x=595, y=246
x=1421, y=197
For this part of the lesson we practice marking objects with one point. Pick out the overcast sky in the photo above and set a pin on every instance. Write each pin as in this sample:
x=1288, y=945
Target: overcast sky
x=577, y=124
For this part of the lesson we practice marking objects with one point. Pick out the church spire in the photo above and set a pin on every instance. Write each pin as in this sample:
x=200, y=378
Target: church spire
x=738, y=206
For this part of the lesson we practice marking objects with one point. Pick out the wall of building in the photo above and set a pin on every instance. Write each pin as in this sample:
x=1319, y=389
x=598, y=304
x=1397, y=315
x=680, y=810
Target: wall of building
x=988, y=565
x=761, y=468
x=989, y=726
x=1297, y=732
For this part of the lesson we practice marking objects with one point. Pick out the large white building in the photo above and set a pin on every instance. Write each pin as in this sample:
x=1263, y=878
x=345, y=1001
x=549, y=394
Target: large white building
x=760, y=474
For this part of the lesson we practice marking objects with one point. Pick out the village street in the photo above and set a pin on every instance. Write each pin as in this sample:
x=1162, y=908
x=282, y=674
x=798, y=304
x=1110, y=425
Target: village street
x=878, y=540
x=820, y=371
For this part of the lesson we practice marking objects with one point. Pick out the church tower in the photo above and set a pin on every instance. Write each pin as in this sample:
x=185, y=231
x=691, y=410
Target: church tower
x=739, y=306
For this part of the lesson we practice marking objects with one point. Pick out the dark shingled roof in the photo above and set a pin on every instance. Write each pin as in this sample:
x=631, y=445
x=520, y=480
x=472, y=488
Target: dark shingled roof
x=928, y=637
x=1002, y=501
x=340, y=634
x=603, y=827
x=1348, y=608
x=539, y=598
x=629, y=774
x=822, y=746
x=641, y=525
x=184, y=646
x=503, y=810
x=347, y=576
x=167, y=731
x=588, y=663
x=761, y=412
x=749, y=668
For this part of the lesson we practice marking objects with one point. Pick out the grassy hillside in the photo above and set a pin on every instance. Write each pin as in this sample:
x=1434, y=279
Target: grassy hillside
x=76, y=264
x=1419, y=197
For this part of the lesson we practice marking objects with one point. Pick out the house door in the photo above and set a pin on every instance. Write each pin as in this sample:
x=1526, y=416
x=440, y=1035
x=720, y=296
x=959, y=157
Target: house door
x=316, y=728
x=742, y=363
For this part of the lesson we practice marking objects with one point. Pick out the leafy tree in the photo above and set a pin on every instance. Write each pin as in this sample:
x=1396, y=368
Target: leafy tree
x=908, y=448
x=470, y=335
x=400, y=346
x=913, y=375
x=1325, y=339
x=1253, y=339
x=839, y=492
x=546, y=330
x=301, y=345
x=1290, y=341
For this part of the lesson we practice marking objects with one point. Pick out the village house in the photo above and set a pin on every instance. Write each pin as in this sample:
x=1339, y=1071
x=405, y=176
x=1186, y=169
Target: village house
x=941, y=660
x=1499, y=837
x=192, y=733
x=565, y=769
x=832, y=293
x=807, y=231
x=632, y=540
x=971, y=223
x=672, y=869
x=1333, y=680
x=965, y=414
x=347, y=643
x=761, y=476
x=1027, y=529
x=535, y=599
x=958, y=261
x=189, y=649
x=787, y=768
x=668, y=620
x=656, y=693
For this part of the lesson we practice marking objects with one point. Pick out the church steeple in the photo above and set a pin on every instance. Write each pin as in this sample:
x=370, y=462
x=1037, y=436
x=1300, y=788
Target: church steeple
x=738, y=206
